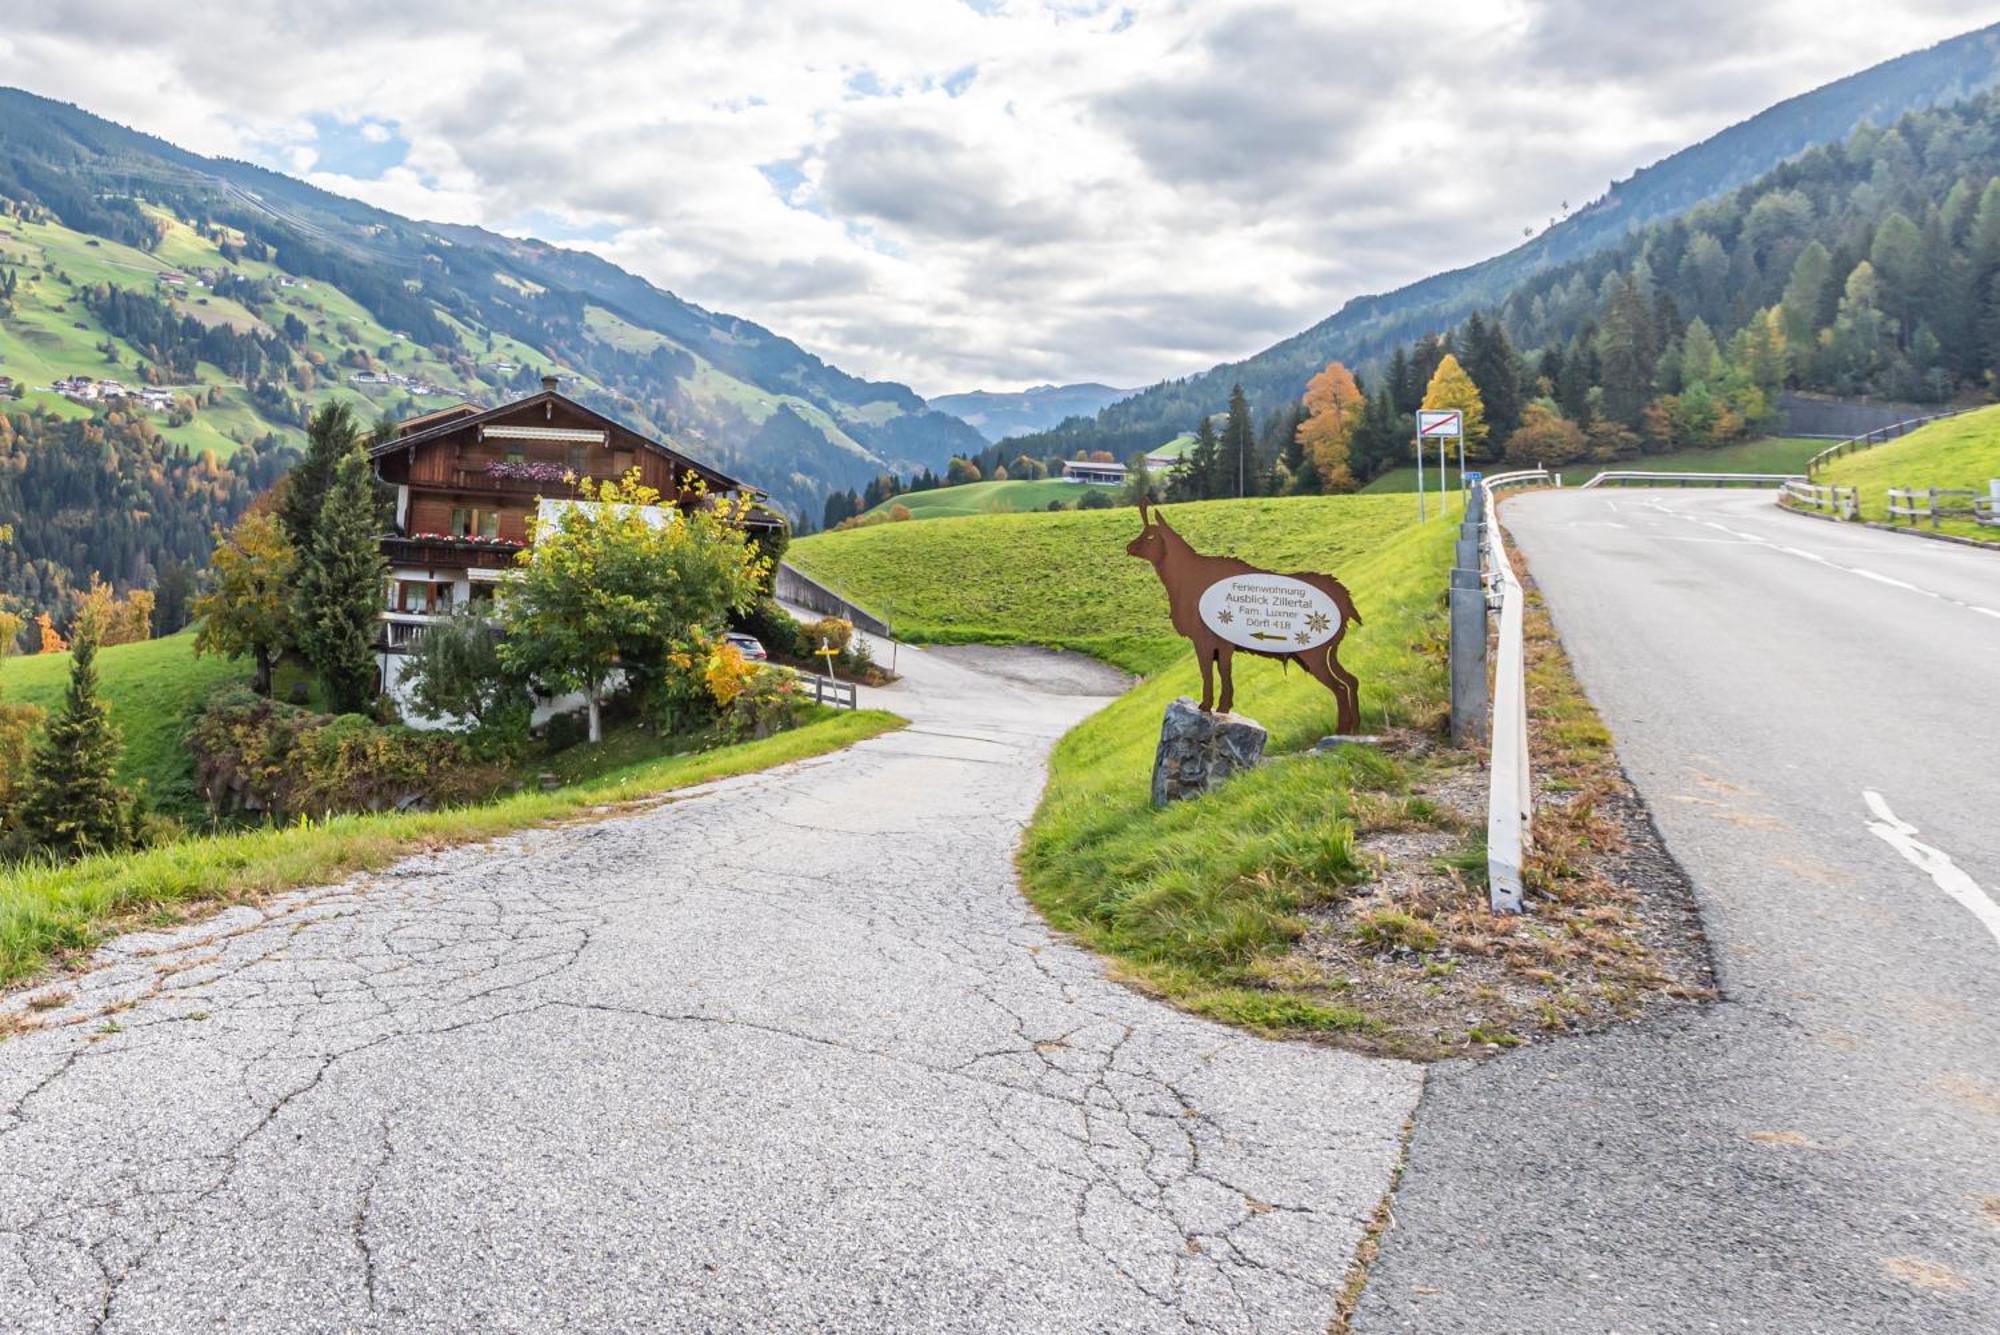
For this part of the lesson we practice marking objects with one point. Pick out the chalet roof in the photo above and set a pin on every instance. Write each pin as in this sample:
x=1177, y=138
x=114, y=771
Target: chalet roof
x=436, y=415
x=435, y=426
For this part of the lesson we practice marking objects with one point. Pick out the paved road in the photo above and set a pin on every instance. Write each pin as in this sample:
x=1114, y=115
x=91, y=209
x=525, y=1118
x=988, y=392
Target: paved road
x=787, y=1054
x=1821, y=1152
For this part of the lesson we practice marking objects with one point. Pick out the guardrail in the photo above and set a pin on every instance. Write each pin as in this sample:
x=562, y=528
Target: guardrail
x=1841, y=502
x=1519, y=478
x=1869, y=439
x=1622, y=477
x=1511, y=798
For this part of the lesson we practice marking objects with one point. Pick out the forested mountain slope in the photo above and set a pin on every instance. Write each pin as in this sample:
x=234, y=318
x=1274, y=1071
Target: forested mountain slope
x=1366, y=328
x=318, y=294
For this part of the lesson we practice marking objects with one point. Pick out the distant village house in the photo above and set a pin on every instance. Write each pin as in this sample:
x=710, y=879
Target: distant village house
x=1093, y=474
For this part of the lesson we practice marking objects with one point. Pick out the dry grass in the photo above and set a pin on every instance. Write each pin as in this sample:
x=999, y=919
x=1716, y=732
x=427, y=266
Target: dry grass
x=1610, y=931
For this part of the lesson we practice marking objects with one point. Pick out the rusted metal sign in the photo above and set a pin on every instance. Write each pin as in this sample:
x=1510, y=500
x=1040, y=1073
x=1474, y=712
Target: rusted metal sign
x=1222, y=605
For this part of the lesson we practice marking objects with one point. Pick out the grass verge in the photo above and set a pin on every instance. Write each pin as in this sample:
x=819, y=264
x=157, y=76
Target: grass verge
x=1958, y=454
x=1202, y=902
x=1341, y=895
x=51, y=914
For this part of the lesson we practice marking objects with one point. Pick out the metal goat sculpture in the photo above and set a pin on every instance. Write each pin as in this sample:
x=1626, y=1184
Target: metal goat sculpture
x=1223, y=605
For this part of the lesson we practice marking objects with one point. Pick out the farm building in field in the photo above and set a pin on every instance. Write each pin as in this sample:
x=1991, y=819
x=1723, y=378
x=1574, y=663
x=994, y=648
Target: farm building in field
x=1094, y=474
x=468, y=481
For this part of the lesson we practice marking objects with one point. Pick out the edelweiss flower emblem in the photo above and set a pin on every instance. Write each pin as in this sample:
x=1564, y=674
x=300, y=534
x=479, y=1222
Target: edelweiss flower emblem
x=1317, y=623
x=1303, y=638
x=1226, y=617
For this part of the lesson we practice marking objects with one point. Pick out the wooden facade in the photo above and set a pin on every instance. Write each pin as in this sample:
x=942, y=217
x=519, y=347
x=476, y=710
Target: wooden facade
x=468, y=482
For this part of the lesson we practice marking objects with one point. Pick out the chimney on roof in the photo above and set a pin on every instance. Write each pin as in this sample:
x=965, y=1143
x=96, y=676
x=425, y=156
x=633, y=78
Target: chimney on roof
x=548, y=384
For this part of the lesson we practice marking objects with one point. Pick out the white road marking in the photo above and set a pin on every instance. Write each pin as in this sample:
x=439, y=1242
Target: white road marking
x=1948, y=875
x=1828, y=562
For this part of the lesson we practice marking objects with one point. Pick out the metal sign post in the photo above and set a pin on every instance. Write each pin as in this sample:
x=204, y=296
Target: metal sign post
x=1443, y=424
x=1421, y=516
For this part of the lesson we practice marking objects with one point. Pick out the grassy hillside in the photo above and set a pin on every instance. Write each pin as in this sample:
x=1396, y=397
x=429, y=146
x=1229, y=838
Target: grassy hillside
x=153, y=688
x=1204, y=901
x=1773, y=454
x=50, y=912
x=1065, y=580
x=1201, y=900
x=987, y=498
x=1958, y=454
x=1335, y=894
x=430, y=313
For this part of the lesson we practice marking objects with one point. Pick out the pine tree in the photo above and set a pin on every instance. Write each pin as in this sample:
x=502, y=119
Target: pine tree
x=1806, y=305
x=340, y=588
x=1626, y=351
x=1382, y=439
x=1406, y=392
x=1194, y=479
x=329, y=439
x=1499, y=373
x=73, y=804
x=1239, y=447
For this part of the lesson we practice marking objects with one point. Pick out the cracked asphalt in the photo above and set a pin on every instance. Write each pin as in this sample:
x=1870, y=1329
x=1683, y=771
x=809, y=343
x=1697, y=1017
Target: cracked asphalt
x=1820, y=1151
x=788, y=1052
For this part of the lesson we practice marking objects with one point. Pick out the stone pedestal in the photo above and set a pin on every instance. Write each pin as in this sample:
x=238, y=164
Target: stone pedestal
x=1198, y=751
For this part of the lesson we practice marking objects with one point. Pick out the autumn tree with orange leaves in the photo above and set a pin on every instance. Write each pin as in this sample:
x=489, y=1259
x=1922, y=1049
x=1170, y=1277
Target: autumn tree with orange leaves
x=1333, y=410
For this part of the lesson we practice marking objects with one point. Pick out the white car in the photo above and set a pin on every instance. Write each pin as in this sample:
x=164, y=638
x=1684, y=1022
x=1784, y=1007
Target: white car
x=749, y=646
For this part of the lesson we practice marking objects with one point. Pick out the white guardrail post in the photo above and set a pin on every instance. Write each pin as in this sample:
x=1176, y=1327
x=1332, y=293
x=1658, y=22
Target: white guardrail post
x=1509, y=807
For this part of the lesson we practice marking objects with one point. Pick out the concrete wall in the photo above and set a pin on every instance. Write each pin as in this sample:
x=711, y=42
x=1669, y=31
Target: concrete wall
x=1841, y=419
x=802, y=590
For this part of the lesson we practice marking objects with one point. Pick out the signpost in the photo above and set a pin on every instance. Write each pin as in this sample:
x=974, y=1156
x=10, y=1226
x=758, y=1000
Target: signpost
x=1441, y=424
x=1225, y=606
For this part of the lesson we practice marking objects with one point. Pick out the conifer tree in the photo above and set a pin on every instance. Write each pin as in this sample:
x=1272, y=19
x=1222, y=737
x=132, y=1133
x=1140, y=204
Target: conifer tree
x=329, y=439
x=340, y=588
x=1194, y=479
x=1498, y=371
x=73, y=804
x=1239, y=447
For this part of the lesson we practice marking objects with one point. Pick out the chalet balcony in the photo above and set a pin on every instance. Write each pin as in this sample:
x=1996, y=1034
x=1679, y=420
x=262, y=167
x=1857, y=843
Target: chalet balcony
x=442, y=551
x=402, y=630
x=548, y=483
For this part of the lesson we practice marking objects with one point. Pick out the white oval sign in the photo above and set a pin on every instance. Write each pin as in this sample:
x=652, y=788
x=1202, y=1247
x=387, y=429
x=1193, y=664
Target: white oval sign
x=1274, y=613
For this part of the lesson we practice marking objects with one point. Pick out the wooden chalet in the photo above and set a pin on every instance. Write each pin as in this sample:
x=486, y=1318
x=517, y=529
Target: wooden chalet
x=468, y=481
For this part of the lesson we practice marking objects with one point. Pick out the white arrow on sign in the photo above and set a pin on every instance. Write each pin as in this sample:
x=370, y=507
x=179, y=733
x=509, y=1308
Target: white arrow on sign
x=1432, y=422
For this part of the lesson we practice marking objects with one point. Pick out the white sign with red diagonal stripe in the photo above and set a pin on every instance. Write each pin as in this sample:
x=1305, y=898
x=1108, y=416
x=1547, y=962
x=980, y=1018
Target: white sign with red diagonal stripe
x=1434, y=422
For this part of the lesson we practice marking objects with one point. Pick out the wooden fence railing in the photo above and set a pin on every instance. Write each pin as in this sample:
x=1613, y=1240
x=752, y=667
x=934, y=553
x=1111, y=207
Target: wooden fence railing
x=1935, y=504
x=1841, y=502
x=831, y=691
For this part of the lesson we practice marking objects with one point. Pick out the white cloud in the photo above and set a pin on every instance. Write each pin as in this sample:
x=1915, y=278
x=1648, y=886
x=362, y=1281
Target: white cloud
x=958, y=194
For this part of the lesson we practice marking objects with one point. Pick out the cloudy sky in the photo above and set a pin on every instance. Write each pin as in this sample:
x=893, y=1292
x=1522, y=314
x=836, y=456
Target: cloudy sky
x=970, y=193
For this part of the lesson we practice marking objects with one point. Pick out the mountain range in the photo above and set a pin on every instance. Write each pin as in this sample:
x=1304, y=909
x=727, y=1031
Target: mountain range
x=407, y=315
x=1364, y=329
x=1000, y=415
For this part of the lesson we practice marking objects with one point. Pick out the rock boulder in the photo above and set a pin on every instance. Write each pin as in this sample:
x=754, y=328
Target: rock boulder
x=1198, y=751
